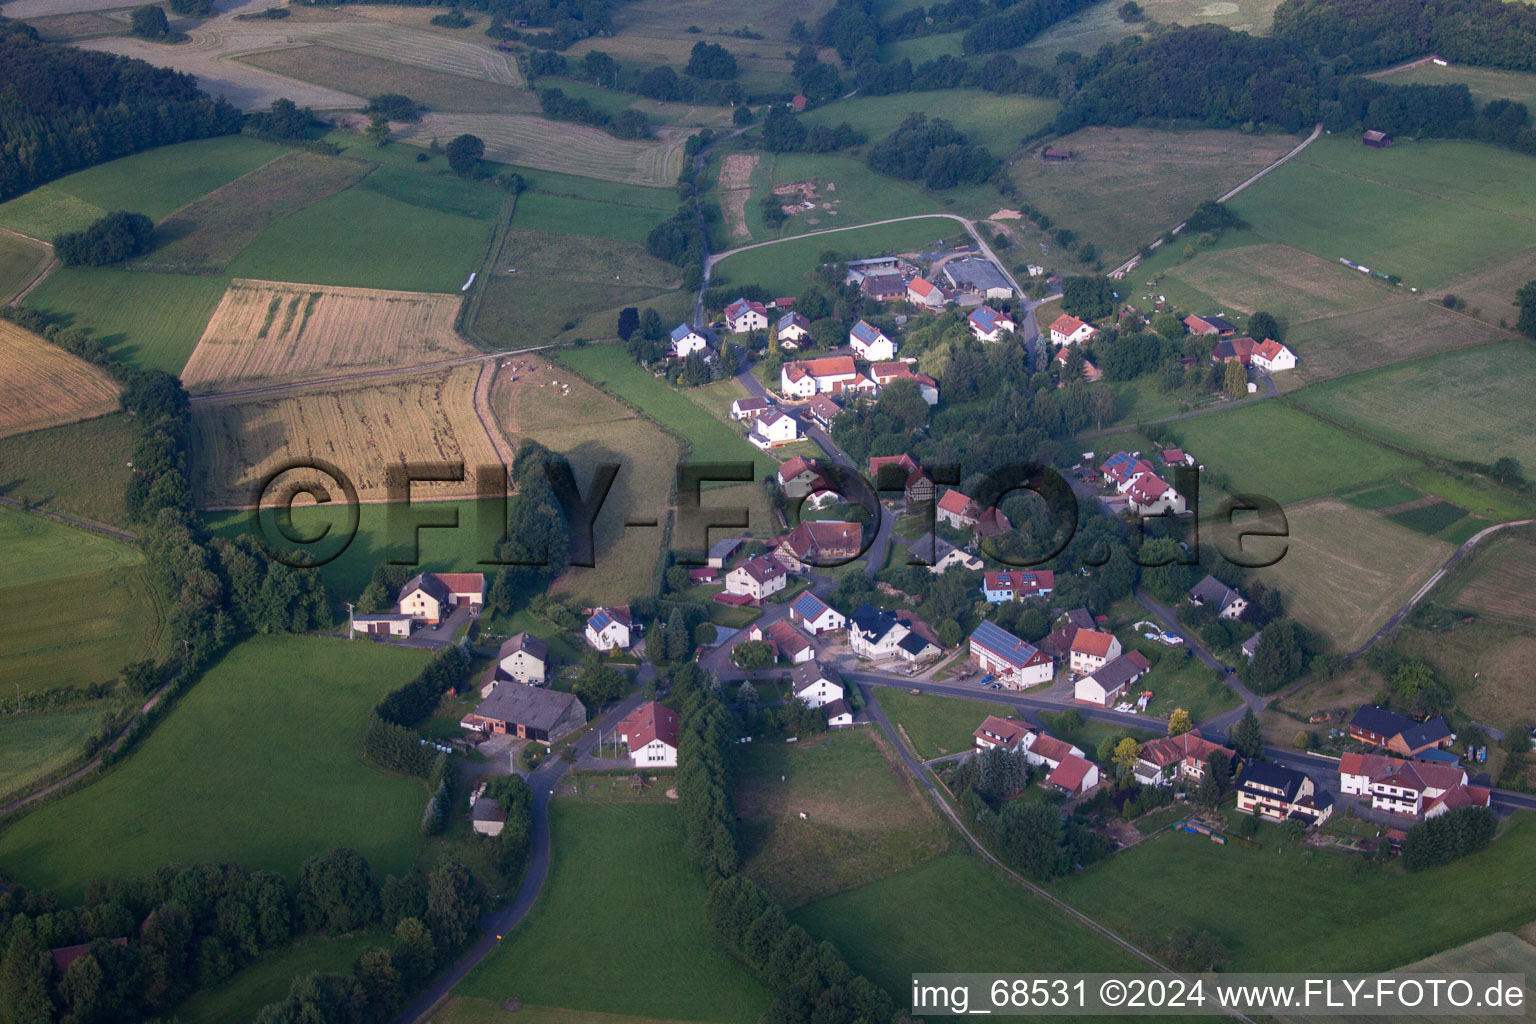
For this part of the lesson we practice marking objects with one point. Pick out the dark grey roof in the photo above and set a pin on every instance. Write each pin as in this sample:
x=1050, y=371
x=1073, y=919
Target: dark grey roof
x=1264, y=773
x=1082, y=618
x=1380, y=721
x=1119, y=672
x=914, y=643
x=809, y=672
x=833, y=708
x=1423, y=734
x=1217, y=322
x=524, y=642
x=872, y=621
x=487, y=809
x=724, y=548
x=532, y=706
x=977, y=273
x=1212, y=591
x=931, y=549
x=428, y=582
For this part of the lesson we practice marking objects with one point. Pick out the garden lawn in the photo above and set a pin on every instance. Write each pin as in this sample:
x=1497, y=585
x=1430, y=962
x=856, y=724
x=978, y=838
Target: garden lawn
x=1473, y=405
x=1394, y=917
x=152, y=321
x=864, y=818
x=364, y=238
x=81, y=630
x=926, y=919
x=781, y=267
x=938, y=725
x=1270, y=449
x=35, y=745
x=259, y=763
x=80, y=468
x=153, y=183
x=35, y=549
x=268, y=979
x=620, y=867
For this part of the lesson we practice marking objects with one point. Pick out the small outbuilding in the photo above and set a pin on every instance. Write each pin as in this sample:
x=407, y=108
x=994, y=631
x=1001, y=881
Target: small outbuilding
x=1376, y=140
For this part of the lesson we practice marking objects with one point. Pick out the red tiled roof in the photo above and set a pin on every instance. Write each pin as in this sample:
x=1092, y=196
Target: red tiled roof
x=1091, y=641
x=877, y=462
x=1167, y=750
x=791, y=468
x=1462, y=796
x=1006, y=731
x=1051, y=748
x=648, y=722
x=761, y=569
x=790, y=640
x=463, y=582
x=1067, y=324
x=922, y=287
x=824, y=536
x=1269, y=348
x=1069, y=775
x=829, y=366
x=954, y=501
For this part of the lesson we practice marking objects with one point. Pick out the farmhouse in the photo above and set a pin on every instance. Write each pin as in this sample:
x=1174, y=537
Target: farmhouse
x=774, y=429
x=819, y=544
x=870, y=344
x=742, y=316
x=1278, y=793
x=527, y=712
x=1069, y=330
x=884, y=287
x=786, y=641
x=1074, y=776
x=488, y=817
x=1234, y=350
x=1399, y=733
x=1409, y=788
x=957, y=510
x=1272, y=357
x=793, y=328
x=650, y=732
x=686, y=341
x=522, y=659
x=610, y=628
x=816, y=684
x=808, y=377
x=428, y=596
x=925, y=294
x=1108, y=684
x=822, y=410
x=1172, y=757
x=987, y=324
x=978, y=277
x=940, y=555
x=1005, y=733
x=874, y=634
x=1019, y=585
x=1014, y=662
x=1229, y=604
x=1209, y=324
x=799, y=476
x=384, y=623
x=749, y=408
x=1091, y=650
x=815, y=616
x=757, y=578
x=1376, y=140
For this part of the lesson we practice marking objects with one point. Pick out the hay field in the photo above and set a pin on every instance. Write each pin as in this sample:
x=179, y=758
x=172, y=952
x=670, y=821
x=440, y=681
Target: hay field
x=1500, y=584
x=41, y=385
x=575, y=149
x=1346, y=570
x=206, y=234
x=1125, y=186
x=272, y=331
x=21, y=260
x=363, y=74
x=534, y=400
x=365, y=429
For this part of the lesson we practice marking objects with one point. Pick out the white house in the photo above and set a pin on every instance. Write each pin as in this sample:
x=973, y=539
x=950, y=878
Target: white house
x=1229, y=604
x=430, y=596
x=1014, y=662
x=610, y=629
x=686, y=341
x=987, y=324
x=1272, y=357
x=807, y=377
x=924, y=293
x=1004, y=733
x=1107, y=685
x=816, y=684
x=793, y=329
x=757, y=578
x=815, y=616
x=870, y=343
x=1410, y=788
x=650, y=733
x=940, y=555
x=749, y=408
x=838, y=714
x=773, y=429
x=1091, y=651
x=893, y=370
x=742, y=316
x=522, y=659
x=1069, y=330
x=1151, y=495
x=875, y=634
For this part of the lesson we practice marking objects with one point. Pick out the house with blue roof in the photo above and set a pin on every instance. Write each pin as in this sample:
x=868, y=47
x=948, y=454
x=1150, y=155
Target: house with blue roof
x=1013, y=662
x=686, y=341
x=870, y=343
x=815, y=616
x=987, y=324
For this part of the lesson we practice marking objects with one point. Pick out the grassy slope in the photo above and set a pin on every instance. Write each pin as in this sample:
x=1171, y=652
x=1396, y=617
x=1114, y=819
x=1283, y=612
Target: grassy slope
x=997, y=122
x=1394, y=917
x=81, y=468
x=619, y=927
x=233, y=774
x=82, y=629
x=21, y=259
x=38, y=549
x=38, y=744
x=938, y=725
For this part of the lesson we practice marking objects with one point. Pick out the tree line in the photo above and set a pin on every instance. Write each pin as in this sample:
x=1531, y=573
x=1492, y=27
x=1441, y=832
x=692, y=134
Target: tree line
x=63, y=108
x=658, y=82
x=626, y=124
x=1358, y=35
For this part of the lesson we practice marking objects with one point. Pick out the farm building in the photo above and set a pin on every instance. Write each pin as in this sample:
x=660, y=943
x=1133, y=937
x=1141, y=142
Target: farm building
x=1376, y=140
x=1052, y=154
x=1209, y=324
x=1015, y=662
x=721, y=551
x=925, y=294
x=1409, y=788
x=650, y=732
x=384, y=624
x=428, y=596
x=884, y=287
x=979, y=277
x=819, y=544
x=1399, y=733
x=527, y=712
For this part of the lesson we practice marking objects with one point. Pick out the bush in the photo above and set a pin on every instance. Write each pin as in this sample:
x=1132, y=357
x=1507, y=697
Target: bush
x=149, y=22
x=395, y=107
x=193, y=8
x=116, y=237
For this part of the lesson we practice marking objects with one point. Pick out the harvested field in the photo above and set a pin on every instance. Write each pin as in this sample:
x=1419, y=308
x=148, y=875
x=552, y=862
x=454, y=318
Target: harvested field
x=1293, y=285
x=534, y=400
x=1346, y=570
x=735, y=188
x=276, y=332
x=1501, y=583
x=1490, y=294
x=364, y=429
x=363, y=74
x=41, y=385
x=206, y=234
x=69, y=28
x=575, y=149
x=1333, y=346
x=1125, y=186
x=21, y=260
